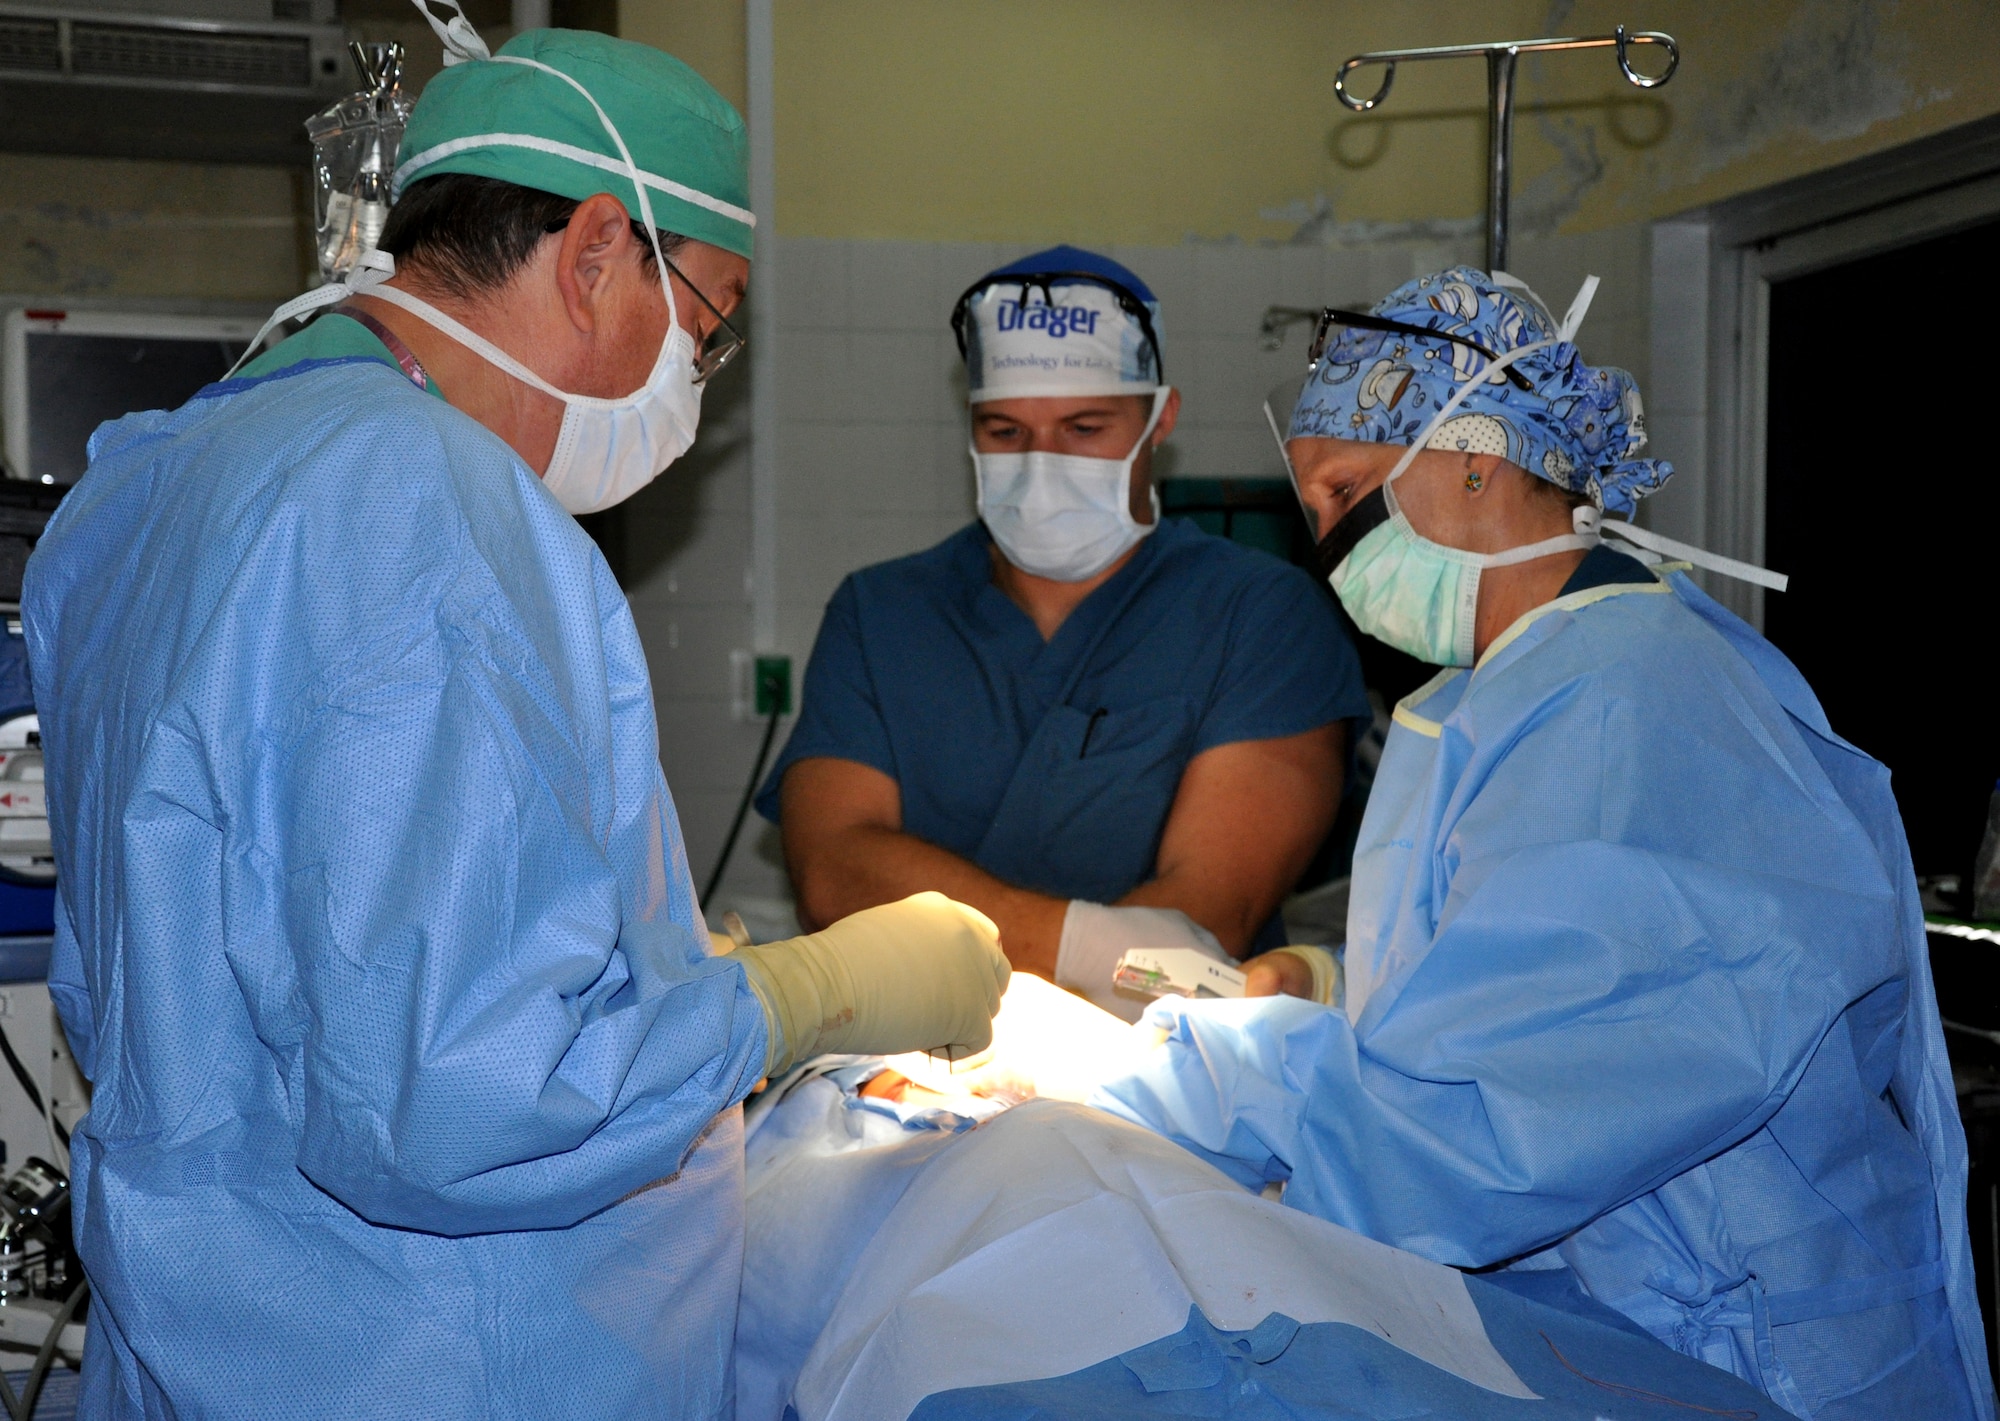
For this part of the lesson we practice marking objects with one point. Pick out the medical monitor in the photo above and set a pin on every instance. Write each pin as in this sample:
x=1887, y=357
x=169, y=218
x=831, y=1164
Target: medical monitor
x=64, y=372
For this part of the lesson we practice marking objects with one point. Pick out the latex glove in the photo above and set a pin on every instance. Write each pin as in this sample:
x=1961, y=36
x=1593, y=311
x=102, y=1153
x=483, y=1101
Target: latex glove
x=924, y=974
x=1094, y=937
x=1299, y=971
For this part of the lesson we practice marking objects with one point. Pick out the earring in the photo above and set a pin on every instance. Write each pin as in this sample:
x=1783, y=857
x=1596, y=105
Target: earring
x=1473, y=481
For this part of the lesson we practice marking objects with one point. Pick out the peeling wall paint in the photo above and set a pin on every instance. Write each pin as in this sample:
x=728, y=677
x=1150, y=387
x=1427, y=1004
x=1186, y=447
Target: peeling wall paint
x=1160, y=121
x=1831, y=74
x=110, y=227
x=103, y=227
x=1150, y=122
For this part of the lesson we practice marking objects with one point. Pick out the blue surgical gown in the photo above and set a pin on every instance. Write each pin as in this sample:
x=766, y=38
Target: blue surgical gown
x=1053, y=765
x=413, y=1082
x=1636, y=988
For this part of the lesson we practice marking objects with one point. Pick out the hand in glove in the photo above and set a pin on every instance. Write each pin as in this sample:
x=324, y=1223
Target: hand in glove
x=924, y=974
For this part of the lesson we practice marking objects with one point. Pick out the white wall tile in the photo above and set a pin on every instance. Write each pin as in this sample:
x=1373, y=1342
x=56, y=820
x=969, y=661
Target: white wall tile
x=813, y=284
x=897, y=374
x=1233, y=285
x=1301, y=276
x=863, y=468
x=895, y=287
x=816, y=375
x=1169, y=274
x=1228, y=382
x=688, y=649
x=959, y=264
x=689, y=562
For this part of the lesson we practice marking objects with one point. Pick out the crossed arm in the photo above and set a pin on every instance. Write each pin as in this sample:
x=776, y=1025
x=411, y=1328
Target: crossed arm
x=1245, y=821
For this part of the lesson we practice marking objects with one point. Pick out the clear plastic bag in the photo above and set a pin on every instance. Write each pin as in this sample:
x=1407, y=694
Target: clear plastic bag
x=354, y=146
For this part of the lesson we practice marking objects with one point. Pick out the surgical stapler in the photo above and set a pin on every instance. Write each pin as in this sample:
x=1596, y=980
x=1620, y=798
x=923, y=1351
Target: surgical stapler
x=1175, y=971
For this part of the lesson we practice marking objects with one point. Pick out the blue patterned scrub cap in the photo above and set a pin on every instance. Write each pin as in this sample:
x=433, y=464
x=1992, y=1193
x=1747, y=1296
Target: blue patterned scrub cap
x=1579, y=428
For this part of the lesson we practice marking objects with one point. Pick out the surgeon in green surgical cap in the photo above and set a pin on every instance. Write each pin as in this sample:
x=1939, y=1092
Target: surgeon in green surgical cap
x=416, y=1081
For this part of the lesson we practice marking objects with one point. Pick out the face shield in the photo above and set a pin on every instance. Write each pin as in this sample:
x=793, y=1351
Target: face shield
x=354, y=145
x=1383, y=375
x=1096, y=337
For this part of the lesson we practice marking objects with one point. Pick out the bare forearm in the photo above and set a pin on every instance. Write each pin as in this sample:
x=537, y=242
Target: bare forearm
x=1220, y=907
x=861, y=866
x=1245, y=823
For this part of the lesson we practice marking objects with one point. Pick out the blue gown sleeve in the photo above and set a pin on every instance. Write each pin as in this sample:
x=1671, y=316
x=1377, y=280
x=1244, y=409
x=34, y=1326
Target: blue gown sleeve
x=1642, y=935
x=69, y=992
x=499, y=1033
x=839, y=713
x=1290, y=666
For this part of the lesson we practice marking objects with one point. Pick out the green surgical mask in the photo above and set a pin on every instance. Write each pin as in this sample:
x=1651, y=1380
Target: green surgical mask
x=1400, y=587
x=1419, y=596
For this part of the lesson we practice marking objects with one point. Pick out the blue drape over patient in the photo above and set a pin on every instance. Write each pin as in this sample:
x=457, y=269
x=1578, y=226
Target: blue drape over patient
x=1637, y=987
x=376, y=934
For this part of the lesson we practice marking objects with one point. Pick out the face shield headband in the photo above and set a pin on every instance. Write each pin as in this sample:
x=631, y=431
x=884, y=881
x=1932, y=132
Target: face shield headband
x=1126, y=299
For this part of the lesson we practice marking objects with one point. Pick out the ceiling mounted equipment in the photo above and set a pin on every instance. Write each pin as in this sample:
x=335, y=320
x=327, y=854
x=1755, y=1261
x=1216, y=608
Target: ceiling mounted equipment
x=202, y=80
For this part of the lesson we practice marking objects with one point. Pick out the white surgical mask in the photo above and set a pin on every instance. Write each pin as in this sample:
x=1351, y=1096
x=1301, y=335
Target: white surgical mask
x=607, y=449
x=1064, y=516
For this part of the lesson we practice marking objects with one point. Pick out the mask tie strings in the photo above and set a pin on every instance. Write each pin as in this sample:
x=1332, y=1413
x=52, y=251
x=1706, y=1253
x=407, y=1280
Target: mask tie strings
x=461, y=41
x=638, y=180
x=1653, y=543
x=1460, y=396
x=1578, y=309
x=371, y=269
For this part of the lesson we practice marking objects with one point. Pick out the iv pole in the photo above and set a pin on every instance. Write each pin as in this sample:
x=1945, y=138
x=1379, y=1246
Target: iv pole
x=1500, y=60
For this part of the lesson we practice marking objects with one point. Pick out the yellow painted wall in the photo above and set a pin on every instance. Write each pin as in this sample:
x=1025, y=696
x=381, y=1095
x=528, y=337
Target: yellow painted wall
x=117, y=227
x=1143, y=121
x=1153, y=121
x=707, y=35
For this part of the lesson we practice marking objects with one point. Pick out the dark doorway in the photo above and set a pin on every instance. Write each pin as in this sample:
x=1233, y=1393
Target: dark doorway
x=1883, y=506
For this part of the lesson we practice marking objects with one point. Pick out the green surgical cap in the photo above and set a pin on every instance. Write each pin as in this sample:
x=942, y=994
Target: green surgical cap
x=522, y=125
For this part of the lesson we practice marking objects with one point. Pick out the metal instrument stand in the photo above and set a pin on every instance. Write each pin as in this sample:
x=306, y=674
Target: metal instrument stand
x=1500, y=60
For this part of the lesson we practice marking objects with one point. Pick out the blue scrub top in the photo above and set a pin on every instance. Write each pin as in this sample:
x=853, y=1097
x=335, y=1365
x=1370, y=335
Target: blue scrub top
x=1053, y=764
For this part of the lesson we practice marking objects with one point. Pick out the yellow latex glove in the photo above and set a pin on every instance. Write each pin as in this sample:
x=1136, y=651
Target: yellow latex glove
x=924, y=974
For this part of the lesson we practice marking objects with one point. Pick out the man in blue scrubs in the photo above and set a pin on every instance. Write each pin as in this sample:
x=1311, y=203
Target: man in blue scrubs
x=1102, y=729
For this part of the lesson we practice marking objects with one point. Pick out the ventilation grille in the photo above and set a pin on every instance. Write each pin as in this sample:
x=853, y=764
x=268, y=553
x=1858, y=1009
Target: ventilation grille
x=30, y=44
x=187, y=57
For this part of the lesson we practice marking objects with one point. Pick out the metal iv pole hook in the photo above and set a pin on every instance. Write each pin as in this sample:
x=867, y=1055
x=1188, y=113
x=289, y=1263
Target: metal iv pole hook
x=1501, y=58
x=1363, y=105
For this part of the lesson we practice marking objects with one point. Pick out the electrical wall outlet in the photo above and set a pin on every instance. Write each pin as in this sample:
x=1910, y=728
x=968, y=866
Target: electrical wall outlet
x=774, y=685
x=757, y=681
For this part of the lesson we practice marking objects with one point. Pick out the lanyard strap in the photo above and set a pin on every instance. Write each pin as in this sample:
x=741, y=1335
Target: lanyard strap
x=405, y=357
